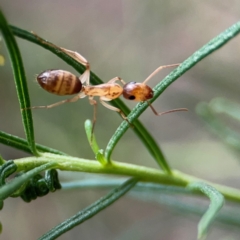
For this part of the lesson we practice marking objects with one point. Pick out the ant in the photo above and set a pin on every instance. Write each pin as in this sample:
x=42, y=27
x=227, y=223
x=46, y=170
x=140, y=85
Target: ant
x=62, y=82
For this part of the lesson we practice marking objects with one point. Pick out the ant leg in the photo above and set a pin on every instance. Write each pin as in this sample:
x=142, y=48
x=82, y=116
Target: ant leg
x=73, y=99
x=170, y=111
x=158, y=70
x=85, y=77
x=113, y=80
x=45, y=42
x=115, y=109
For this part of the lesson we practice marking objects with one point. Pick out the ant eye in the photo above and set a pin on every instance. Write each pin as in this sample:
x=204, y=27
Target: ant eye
x=131, y=97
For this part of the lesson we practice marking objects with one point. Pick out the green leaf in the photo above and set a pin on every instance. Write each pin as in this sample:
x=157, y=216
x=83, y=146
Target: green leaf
x=91, y=137
x=100, y=157
x=107, y=182
x=93, y=143
x=229, y=136
x=90, y=211
x=217, y=201
x=223, y=105
x=20, y=81
x=230, y=217
x=2, y=161
x=6, y=170
x=139, y=129
x=15, y=184
x=22, y=144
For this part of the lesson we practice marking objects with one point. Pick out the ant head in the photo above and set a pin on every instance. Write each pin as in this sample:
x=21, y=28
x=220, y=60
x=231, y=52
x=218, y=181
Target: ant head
x=137, y=91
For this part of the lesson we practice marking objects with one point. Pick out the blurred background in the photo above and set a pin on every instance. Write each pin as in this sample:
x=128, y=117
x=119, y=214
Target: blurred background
x=129, y=39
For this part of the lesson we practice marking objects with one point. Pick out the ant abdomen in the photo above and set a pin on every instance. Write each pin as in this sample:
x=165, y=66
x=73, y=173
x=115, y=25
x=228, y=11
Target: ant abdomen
x=59, y=82
x=137, y=91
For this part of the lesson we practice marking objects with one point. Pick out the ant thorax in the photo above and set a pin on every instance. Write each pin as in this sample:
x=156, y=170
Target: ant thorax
x=106, y=91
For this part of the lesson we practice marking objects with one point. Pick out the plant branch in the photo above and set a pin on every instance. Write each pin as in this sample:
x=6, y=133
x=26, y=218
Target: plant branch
x=144, y=174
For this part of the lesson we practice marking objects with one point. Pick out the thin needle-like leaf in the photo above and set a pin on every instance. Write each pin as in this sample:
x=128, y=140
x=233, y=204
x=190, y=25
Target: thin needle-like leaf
x=91, y=137
x=20, y=81
x=16, y=183
x=226, y=106
x=228, y=135
x=217, y=201
x=90, y=211
x=22, y=144
x=93, y=143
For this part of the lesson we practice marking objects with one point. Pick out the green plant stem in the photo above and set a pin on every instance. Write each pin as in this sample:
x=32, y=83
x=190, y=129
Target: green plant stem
x=67, y=163
x=82, y=165
x=228, y=192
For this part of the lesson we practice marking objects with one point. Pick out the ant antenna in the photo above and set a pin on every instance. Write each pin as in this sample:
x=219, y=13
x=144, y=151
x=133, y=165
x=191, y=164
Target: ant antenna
x=169, y=111
x=158, y=70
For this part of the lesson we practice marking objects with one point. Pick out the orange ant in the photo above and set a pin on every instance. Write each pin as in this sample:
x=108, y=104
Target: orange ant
x=62, y=82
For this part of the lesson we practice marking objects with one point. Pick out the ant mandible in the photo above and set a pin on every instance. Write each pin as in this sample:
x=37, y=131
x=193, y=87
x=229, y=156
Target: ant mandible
x=61, y=82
